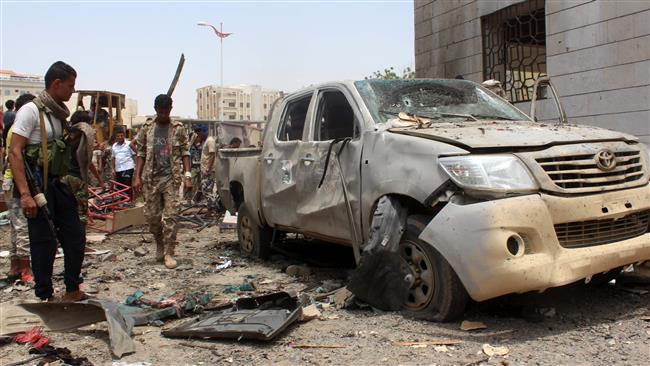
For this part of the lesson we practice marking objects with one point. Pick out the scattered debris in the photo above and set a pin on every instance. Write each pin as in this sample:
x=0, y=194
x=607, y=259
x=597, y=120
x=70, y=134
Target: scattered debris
x=4, y=254
x=298, y=271
x=495, y=351
x=24, y=362
x=95, y=238
x=262, y=317
x=229, y=221
x=140, y=252
x=223, y=263
x=342, y=297
x=52, y=354
x=441, y=349
x=293, y=344
x=440, y=342
x=108, y=257
x=244, y=286
x=184, y=267
x=470, y=325
x=33, y=336
x=309, y=312
x=179, y=304
x=59, y=316
x=328, y=286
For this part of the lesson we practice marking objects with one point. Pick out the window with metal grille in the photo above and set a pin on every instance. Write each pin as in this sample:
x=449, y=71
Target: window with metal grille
x=514, y=48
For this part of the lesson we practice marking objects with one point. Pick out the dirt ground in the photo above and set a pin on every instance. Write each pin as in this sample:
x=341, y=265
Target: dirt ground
x=582, y=325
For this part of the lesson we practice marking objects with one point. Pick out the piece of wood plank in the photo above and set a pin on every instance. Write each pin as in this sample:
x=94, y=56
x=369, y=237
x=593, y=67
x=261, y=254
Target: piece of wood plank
x=123, y=218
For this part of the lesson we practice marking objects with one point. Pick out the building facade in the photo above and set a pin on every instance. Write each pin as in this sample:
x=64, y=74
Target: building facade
x=596, y=52
x=13, y=84
x=241, y=103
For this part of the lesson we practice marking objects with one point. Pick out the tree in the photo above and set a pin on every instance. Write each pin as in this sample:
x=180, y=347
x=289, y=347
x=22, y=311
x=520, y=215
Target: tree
x=389, y=74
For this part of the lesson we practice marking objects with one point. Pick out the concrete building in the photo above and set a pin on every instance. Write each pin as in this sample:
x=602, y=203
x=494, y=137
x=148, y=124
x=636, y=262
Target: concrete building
x=13, y=84
x=241, y=103
x=596, y=52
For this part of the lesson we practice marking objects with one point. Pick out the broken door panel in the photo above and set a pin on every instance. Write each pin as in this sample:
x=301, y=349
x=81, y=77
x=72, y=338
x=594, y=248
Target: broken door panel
x=323, y=209
x=279, y=161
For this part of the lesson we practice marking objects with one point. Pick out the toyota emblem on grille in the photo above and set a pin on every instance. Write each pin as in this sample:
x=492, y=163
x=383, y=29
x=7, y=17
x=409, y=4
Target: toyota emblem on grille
x=605, y=160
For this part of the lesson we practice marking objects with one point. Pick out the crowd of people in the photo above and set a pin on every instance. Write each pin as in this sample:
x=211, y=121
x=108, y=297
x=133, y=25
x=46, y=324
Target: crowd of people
x=53, y=157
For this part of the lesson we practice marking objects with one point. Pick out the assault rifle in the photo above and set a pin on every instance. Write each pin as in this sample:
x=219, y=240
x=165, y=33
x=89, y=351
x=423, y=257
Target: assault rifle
x=39, y=197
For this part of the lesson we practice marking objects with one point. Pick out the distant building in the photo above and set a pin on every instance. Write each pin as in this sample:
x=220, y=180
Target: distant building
x=241, y=103
x=597, y=54
x=13, y=84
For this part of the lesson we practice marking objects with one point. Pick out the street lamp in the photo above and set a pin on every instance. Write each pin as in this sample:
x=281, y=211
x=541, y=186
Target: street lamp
x=221, y=35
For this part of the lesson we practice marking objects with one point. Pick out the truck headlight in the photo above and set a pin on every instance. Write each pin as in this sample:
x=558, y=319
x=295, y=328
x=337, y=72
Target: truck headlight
x=494, y=173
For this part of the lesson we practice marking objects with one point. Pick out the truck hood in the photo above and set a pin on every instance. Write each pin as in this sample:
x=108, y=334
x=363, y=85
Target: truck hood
x=510, y=134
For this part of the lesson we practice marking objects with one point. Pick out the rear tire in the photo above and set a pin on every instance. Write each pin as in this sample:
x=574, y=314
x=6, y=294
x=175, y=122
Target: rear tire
x=254, y=239
x=436, y=293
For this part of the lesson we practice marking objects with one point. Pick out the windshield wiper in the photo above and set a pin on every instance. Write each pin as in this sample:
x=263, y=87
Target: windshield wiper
x=437, y=116
x=485, y=116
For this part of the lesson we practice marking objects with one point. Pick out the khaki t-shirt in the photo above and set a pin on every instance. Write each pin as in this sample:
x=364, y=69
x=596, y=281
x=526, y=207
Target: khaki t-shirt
x=209, y=147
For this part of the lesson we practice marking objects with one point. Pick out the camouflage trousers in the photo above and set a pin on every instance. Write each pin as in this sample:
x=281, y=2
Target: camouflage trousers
x=79, y=189
x=162, y=205
x=18, y=221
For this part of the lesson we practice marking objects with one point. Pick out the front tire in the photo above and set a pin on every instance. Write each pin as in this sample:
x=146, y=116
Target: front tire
x=254, y=240
x=436, y=293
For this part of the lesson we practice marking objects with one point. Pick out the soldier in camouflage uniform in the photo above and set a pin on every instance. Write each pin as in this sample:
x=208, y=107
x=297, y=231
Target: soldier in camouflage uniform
x=162, y=163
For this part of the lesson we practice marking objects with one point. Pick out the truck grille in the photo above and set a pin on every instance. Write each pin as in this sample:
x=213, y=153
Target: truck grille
x=597, y=232
x=580, y=172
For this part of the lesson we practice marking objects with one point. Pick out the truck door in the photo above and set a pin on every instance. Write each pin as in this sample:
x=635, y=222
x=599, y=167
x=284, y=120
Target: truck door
x=323, y=210
x=280, y=158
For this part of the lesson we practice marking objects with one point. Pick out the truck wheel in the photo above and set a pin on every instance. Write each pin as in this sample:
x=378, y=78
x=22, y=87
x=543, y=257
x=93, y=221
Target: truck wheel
x=254, y=240
x=436, y=293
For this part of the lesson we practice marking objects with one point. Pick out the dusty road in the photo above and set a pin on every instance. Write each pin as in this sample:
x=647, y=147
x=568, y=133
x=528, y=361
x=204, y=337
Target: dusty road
x=582, y=325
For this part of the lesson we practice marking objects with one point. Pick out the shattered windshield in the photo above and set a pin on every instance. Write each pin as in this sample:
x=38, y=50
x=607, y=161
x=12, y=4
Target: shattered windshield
x=438, y=100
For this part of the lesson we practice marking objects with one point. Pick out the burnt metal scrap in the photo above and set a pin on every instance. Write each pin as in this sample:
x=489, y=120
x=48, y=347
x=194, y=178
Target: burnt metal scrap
x=262, y=318
x=61, y=316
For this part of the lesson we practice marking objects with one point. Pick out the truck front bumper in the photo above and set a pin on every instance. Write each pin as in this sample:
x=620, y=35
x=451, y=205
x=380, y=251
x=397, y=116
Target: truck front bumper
x=474, y=240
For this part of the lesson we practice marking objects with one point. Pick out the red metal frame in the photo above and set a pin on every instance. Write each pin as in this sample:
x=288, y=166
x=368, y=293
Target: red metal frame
x=107, y=200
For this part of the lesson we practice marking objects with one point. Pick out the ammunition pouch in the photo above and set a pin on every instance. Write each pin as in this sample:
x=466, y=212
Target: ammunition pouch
x=59, y=156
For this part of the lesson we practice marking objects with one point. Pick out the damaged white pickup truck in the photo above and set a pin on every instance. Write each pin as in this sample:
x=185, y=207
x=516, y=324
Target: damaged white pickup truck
x=444, y=191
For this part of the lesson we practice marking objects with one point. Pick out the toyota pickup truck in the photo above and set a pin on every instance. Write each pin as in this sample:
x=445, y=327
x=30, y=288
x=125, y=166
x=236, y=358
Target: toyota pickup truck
x=477, y=198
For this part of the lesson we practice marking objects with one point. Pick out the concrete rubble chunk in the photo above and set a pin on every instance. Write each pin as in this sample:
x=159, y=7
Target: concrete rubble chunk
x=140, y=252
x=309, y=312
x=470, y=325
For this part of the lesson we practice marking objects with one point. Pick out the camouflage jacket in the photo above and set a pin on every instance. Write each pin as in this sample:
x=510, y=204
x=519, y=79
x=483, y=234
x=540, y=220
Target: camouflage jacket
x=180, y=147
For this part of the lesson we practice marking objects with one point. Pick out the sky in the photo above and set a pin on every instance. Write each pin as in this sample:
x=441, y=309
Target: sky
x=133, y=47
